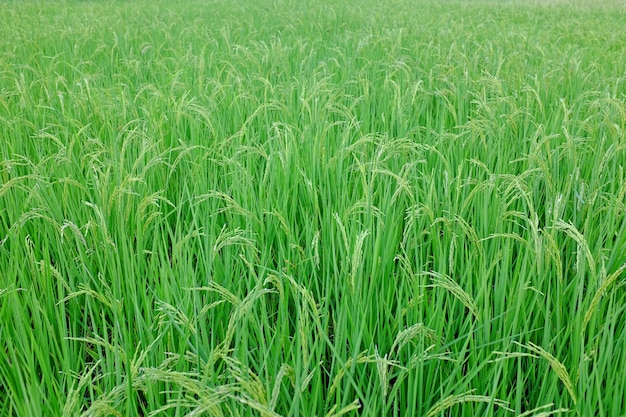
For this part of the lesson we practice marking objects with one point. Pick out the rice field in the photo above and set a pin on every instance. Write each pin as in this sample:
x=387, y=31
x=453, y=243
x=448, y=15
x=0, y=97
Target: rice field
x=323, y=208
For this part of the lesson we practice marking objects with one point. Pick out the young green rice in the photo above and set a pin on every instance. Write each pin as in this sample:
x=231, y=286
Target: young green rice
x=325, y=208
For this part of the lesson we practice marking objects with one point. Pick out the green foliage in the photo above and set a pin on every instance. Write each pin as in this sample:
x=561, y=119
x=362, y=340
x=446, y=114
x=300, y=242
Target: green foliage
x=312, y=208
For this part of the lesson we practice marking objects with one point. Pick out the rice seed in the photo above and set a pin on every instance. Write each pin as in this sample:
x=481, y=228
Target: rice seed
x=467, y=397
x=557, y=367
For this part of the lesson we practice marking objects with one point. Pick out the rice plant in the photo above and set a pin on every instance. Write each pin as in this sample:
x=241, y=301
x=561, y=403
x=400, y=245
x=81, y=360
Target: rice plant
x=325, y=208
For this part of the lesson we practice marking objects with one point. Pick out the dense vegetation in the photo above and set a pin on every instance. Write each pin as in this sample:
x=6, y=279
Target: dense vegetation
x=400, y=208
